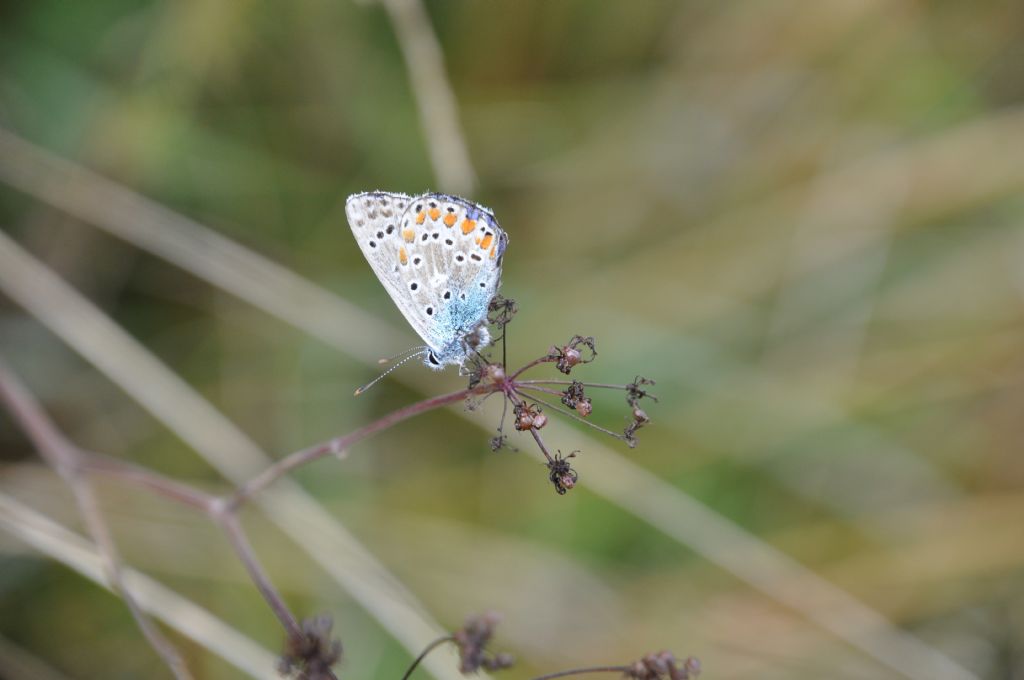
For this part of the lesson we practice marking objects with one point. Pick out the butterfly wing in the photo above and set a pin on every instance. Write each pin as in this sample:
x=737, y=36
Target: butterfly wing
x=438, y=256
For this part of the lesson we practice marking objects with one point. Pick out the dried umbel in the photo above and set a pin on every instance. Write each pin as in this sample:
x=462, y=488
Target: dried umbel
x=311, y=654
x=574, y=398
x=663, y=666
x=561, y=474
x=579, y=350
x=528, y=417
x=472, y=640
x=526, y=397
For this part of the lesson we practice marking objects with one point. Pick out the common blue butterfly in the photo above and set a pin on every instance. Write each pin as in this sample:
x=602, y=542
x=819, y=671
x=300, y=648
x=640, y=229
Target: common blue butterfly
x=439, y=258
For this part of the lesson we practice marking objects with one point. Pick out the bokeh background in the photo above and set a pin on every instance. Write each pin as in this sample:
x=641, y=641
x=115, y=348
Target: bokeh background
x=802, y=219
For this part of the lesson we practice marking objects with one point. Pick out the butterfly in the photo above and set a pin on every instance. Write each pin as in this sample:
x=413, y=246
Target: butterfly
x=439, y=258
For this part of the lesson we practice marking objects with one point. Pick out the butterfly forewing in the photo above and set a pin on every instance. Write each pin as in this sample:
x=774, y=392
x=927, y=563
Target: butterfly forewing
x=438, y=256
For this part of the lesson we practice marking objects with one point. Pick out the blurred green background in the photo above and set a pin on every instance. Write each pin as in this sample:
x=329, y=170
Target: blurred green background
x=803, y=219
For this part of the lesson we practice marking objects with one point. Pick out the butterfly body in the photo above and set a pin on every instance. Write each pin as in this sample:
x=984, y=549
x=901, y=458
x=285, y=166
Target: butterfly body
x=439, y=257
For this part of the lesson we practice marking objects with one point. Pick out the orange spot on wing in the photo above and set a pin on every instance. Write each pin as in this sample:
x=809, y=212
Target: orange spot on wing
x=402, y=257
x=434, y=213
x=420, y=217
x=468, y=226
x=486, y=242
x=409, y=235
x=449, y=220
x=494, y=248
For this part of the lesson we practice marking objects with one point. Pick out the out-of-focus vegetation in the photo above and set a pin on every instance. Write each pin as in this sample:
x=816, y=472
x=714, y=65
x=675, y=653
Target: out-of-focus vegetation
x=803, y=219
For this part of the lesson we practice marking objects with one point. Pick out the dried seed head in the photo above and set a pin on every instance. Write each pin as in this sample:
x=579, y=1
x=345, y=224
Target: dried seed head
x=495, y=373
x=663, y=666
x=561, y=474
x=584, y=407
x=310, y=655
x=572, y=354
x=472, y=640
x=635, y=391
x=501, y=310
x=539, y=421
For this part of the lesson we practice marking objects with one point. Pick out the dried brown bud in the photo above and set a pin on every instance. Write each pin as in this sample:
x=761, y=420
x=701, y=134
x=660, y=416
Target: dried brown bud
x=571, y=355
x=640, y=417
x=561, y=474
x=539, y=421
x=584, y=407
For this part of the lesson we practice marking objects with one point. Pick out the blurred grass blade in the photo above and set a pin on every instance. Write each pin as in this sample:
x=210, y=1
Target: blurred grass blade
x=438, y=108
x=85, y=328
x=186, y=617
x=778, y=576
x=191, y=246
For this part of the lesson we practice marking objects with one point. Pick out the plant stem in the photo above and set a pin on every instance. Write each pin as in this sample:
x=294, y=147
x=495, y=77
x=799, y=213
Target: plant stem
x=309, y=454
x=239, y=541
x=65, y=458
x=581, y=671
x=427, y=650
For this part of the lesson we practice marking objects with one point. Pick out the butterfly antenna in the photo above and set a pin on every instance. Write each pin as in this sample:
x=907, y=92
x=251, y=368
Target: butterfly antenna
x=404, y=355
x=417, y=352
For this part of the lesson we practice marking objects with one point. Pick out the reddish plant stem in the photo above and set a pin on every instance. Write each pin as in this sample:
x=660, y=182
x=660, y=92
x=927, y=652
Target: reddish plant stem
x=64, y=457
x=97, y=463
x=547, y=358
x=581, y=671
x=540, y=443
x=338, y=444
x=524, y=385
x=570, y=382
x=239, y=541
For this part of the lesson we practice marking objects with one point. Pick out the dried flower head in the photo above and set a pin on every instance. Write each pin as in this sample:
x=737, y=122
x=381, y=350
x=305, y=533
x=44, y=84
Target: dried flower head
x=639, y=420
x=561, y=474
x=635, y=391
x=311, y=654
x=501, y=310
x=663, y=666
x=579, y=350
x=472, y=640
x=574, y=398
x=528, y=416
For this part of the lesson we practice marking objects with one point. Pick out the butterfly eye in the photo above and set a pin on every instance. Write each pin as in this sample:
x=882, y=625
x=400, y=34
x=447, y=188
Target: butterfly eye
x=433, y=359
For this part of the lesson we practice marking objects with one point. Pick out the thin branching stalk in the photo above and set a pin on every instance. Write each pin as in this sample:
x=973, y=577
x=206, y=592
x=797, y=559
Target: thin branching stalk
x=239, y=541
x=63, y=457
x=344, y=442
x=426, y=650
x=583, y=671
